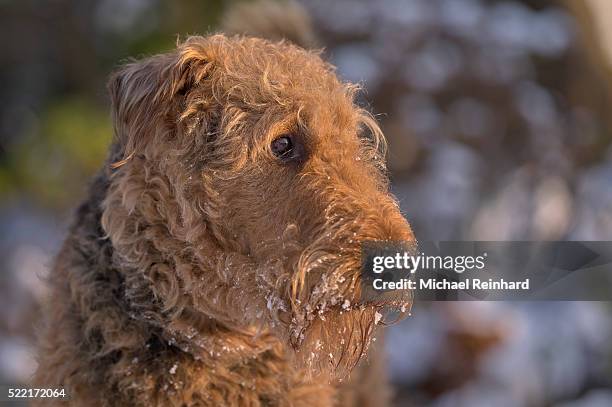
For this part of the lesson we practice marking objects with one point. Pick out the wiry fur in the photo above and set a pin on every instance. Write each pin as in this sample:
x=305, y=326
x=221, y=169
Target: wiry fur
x=201, y=270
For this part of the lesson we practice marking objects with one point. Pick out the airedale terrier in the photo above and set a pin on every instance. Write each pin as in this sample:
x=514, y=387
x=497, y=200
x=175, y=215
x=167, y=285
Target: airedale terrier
x=216, y=260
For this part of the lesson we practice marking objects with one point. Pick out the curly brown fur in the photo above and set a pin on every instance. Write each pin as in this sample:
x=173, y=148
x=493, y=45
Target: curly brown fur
x=203, y=270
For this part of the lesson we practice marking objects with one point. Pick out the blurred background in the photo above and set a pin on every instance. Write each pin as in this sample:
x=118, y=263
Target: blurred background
x=499, y=125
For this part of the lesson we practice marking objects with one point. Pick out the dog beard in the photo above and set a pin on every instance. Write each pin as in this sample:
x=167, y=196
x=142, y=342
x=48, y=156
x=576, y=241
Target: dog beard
x=332, y=325
x=336, y=341
x=309, y=297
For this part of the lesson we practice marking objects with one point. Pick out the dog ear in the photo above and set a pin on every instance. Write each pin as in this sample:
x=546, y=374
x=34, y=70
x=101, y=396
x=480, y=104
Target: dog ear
x=146, y=97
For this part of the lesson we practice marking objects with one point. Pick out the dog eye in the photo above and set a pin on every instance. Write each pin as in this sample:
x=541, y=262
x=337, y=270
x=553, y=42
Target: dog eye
x=282, y=147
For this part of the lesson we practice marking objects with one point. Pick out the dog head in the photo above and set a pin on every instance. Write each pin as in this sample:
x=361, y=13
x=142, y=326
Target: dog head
x=244, y=181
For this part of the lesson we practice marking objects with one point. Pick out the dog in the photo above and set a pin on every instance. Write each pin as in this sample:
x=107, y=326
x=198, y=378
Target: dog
x=216, y=259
